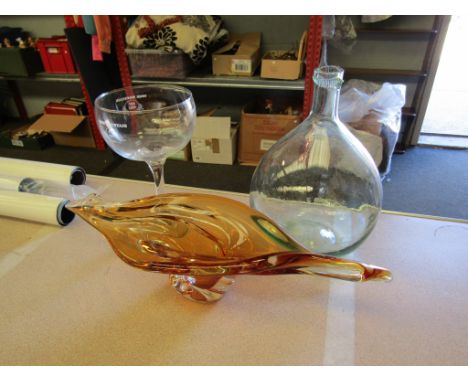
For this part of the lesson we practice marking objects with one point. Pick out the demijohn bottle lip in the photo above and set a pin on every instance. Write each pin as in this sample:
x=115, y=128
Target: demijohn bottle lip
x=329, y=76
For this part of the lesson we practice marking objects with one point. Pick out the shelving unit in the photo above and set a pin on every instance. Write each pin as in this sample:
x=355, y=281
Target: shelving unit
x=395, y=29
x=394, y=38
x=207, y=80
x=404, y=29
x=200, y=81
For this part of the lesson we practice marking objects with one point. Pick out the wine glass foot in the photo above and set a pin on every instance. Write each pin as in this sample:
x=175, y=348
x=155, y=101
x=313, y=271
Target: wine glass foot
x=201, y=288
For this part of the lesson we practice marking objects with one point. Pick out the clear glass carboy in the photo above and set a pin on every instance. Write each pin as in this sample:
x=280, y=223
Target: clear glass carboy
x=318, y=182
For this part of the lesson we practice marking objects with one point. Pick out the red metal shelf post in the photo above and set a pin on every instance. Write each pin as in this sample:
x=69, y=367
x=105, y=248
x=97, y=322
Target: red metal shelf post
x=314, y=45
x=119, y=42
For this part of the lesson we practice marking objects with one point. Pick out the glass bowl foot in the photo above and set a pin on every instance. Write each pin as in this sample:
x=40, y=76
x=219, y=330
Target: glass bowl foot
x=201, y=288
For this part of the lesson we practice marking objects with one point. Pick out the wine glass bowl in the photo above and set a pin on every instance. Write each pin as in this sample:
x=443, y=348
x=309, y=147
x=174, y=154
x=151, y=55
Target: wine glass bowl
x=146, y=123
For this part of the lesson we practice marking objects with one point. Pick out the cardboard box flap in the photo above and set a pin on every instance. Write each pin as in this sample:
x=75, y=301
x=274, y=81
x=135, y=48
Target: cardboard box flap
x=248, y=42
x=55, y=123
x=227, y=47
x=302, y=45
x=212, y=127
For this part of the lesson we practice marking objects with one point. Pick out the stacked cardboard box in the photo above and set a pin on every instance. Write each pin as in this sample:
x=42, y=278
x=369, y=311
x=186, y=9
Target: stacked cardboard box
x=261, y=126
x=240, y=56
x=215, y=138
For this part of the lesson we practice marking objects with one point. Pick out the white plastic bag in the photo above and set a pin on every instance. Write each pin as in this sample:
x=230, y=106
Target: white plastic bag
x=376, y=109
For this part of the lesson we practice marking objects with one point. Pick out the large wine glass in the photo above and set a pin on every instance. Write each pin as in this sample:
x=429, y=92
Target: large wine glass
x=147, y=123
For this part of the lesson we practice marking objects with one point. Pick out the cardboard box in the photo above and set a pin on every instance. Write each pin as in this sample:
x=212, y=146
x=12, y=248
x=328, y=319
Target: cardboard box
x=240, y=56
x=67, y=130
x=275, y=67
x=214, y=140
x=21, y=139
x=258, y=132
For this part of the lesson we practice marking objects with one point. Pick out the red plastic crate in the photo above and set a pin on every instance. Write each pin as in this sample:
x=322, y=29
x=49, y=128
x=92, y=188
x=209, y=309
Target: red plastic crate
x=56, y=55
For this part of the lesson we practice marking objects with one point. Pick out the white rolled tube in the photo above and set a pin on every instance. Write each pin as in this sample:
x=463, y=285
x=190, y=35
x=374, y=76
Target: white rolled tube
x=34, y=207
x=42, y=170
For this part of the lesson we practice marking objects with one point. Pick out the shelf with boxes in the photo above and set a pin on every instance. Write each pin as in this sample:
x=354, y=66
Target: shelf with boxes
x=44, y=55
x=62, y=123
x=232, y=87
x=57, y=66
x=237, y=122
x=245, y=72
x=202, y=82
x=232, y=66
x=397, y=33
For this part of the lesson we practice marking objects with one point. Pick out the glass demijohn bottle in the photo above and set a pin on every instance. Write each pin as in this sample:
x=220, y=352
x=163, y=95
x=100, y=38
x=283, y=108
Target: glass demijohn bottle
x=318, y=182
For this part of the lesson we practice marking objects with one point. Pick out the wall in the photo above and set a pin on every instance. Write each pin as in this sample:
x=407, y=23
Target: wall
x=38, y=26
x=278, y=32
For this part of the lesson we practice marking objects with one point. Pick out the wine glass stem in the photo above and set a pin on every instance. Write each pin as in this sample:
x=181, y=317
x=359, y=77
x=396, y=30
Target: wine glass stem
x=157, y=169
